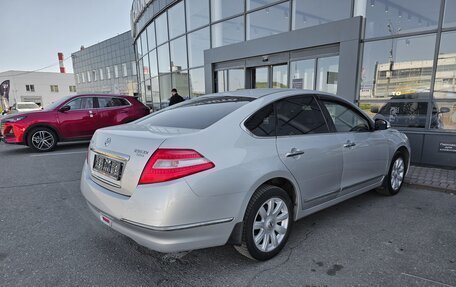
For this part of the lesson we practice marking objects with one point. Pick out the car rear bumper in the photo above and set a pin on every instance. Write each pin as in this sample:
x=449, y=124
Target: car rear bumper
x=131, y=216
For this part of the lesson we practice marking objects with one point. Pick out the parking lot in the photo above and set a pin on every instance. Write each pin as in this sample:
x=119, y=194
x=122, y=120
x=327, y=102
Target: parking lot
x=50, y=238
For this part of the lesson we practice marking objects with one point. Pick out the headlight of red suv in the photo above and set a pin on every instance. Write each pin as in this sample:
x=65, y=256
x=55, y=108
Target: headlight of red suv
x=14, y=119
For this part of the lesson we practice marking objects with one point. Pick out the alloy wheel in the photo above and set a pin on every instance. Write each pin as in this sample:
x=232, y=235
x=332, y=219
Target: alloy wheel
x=43, y=140
x=397, y=173
x=271, y=224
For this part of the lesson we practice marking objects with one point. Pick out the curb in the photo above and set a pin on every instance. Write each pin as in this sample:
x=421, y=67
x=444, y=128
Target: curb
x=431, y=187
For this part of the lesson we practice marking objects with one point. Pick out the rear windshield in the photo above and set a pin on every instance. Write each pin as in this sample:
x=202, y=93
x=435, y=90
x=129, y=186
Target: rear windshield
x=198, y=113
x=27, y=106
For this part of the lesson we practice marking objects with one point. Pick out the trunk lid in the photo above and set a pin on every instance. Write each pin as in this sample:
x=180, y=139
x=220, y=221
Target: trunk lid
x=131, y=145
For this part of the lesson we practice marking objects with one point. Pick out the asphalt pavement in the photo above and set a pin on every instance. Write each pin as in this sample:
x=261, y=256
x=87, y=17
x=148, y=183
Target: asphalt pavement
x=48, y=237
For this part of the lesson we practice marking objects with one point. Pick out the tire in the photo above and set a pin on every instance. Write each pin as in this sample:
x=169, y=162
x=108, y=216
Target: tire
x=42, y=139
x=270, y=210
x=396, y=175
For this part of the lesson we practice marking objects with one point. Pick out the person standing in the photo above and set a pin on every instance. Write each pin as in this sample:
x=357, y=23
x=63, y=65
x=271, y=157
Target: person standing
x=175, y=98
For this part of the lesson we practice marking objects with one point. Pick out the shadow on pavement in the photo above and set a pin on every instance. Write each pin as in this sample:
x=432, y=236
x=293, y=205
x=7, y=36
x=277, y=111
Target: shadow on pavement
x=61, y=147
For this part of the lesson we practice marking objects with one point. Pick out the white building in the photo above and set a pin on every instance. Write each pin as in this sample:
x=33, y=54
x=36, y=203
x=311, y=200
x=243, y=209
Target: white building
x=40, y=87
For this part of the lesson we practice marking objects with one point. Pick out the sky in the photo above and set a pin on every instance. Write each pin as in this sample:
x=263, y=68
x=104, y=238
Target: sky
x=32, y=32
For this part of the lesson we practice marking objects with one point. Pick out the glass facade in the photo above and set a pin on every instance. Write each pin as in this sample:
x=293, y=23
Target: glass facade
x=445, y=79
x=221, y=9
x=389, y=18
x=259, y=22
x=407, y=65
x=228, y=32
x=307, y=13
x=449, y=20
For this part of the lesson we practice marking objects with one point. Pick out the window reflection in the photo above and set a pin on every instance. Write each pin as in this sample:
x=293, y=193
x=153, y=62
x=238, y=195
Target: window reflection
x=259, y=22
x=445, y=79
x=165, y=90
x=303, y=74
x=252, y=4
x=446, y=115
x=155, y=93
x=197, y=13
x=236, y=79
x=327, y=74
x=397, y=67
x=307, y=13
x=146, y=67
x=228, y=32
x=198, y=41
x=387, y=18
x=197, y=83
x=148, y=91
x=178, y=54
x=163, y=59
x=162, y=29
x=138, y=47
x=151, y=36
x=176, y=20
x=153, y=63
x=221, y=9
x=143, y=43
x=280, y=76
x=449, y=20
x=222, y=81
x=180, y=82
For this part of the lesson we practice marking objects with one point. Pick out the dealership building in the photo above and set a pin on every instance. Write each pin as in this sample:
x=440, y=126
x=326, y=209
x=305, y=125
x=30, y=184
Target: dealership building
x=108, y=67
x=392, y=57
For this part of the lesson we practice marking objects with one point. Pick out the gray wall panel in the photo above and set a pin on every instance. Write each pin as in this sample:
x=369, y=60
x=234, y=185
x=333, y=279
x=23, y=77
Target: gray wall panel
x=433, y=156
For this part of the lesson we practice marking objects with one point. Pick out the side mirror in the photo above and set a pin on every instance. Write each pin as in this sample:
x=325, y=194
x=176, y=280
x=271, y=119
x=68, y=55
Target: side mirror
x=381, y=124
x=64, y=109
x=444, y=110
x=374, y=109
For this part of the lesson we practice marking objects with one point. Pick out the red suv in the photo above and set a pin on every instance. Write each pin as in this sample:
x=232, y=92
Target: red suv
x=68, y=119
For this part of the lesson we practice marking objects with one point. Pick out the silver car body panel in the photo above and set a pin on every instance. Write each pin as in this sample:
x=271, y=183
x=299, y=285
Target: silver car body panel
x=202, y=209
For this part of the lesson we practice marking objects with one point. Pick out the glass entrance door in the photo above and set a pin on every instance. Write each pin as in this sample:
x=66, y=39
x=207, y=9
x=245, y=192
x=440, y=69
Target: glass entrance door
x=270, y=76
x=230, y=80
x=280, y=76
x=260, y=77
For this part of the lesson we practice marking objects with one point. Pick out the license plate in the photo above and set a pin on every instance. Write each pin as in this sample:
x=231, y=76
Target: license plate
x=107, y=166
x=106, y=220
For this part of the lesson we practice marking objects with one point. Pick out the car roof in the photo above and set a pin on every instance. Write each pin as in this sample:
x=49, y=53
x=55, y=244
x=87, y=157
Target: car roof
x=102, y=95
x=258, y=93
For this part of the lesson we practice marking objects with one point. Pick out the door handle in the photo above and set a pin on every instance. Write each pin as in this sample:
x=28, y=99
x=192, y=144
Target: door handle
x=349, y=144
x=91, y=114
x=294, y=152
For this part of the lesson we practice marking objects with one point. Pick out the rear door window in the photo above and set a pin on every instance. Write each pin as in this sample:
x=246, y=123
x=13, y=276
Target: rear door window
x=198, y=113
x=300, y=115
x=108, y=102
x=263, y=122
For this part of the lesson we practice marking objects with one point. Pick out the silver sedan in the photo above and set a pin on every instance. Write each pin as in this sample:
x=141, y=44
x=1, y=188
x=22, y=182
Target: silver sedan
x=238, y=168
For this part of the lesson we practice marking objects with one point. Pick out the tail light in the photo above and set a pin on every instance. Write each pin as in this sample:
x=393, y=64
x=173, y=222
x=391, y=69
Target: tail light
x=169, y=164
